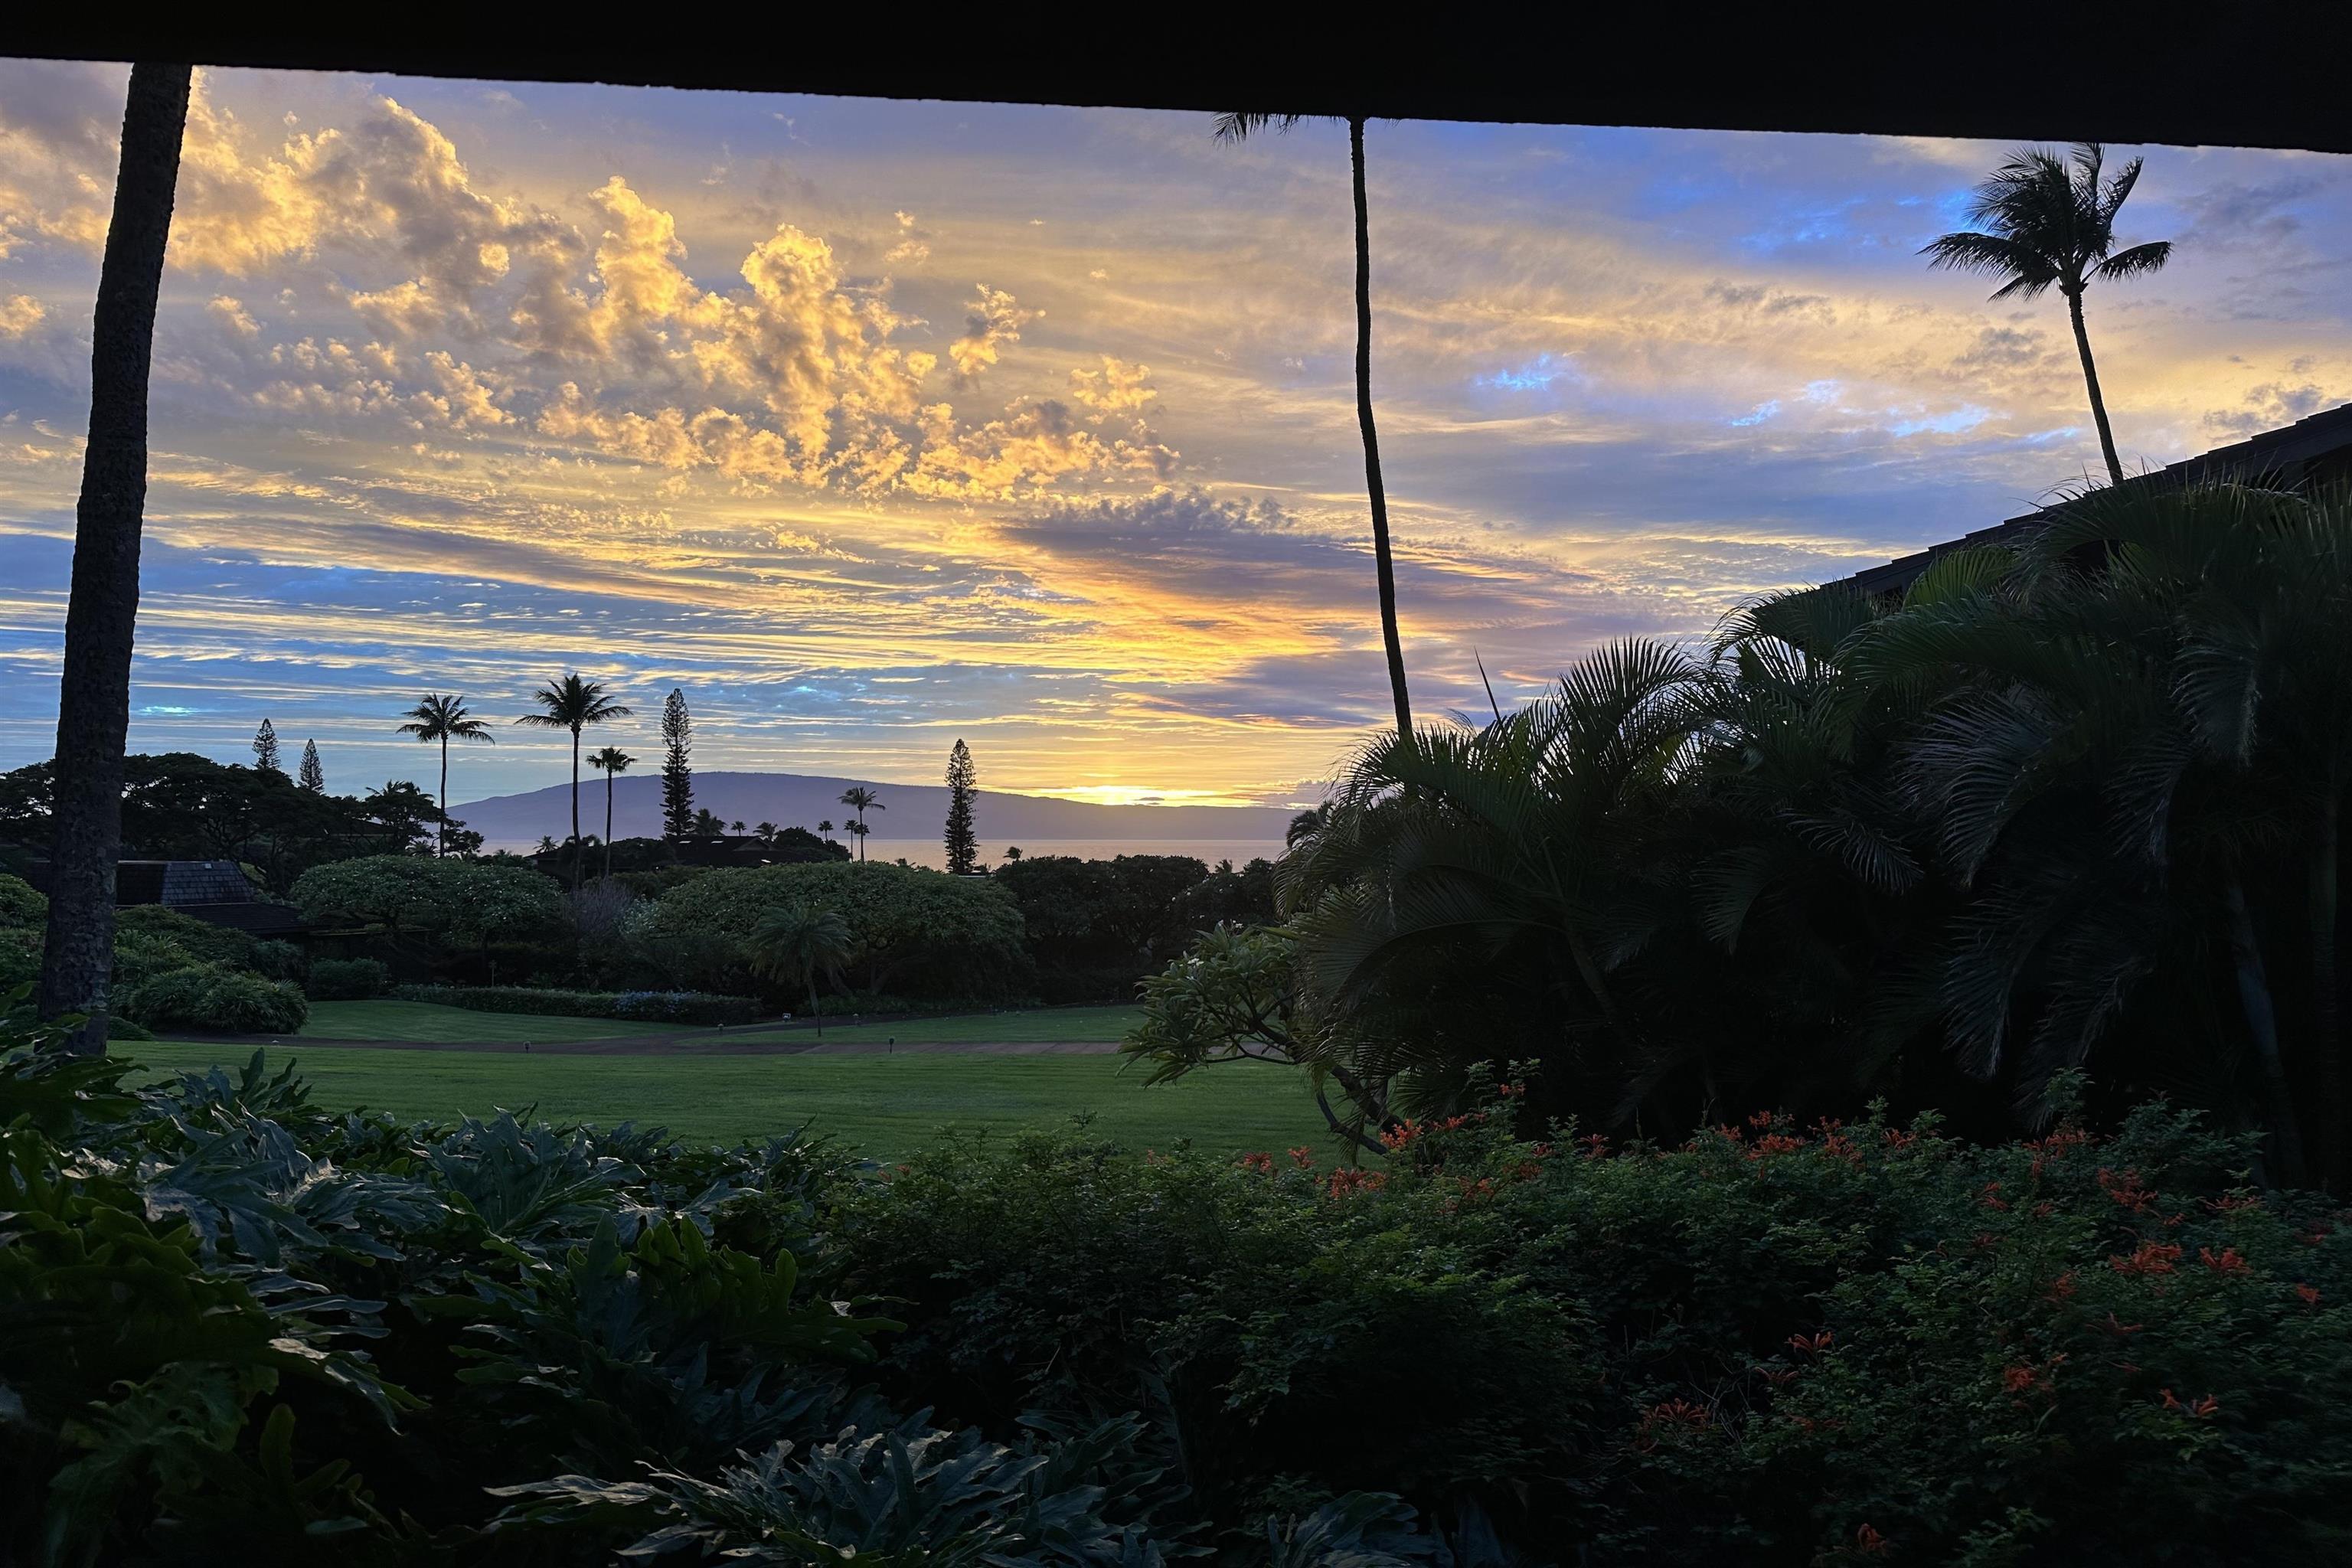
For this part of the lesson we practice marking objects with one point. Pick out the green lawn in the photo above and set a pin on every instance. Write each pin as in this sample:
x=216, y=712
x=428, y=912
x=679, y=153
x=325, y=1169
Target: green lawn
x=385, y=1020
x=1040, y=1025
x=883, y=1106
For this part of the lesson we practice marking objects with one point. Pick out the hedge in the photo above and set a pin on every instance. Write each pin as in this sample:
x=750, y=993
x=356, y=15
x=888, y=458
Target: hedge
x=651, y=1007
x=209, y=997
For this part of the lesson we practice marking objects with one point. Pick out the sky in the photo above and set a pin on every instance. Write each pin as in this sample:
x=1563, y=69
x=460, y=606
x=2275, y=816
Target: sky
x=871, y=424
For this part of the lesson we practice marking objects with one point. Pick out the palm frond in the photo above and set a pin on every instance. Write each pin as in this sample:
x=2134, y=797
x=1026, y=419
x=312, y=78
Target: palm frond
x=2138, y=261
x=1240, y=127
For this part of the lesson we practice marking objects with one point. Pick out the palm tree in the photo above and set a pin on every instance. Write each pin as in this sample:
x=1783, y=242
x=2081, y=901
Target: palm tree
x=860, y=800
x=94, y=685
x=2044, y=225
x=795, y=942
x=572, y=703
x=825, y=827
x=1239, y=127
x=444, y=719
x=611, y=761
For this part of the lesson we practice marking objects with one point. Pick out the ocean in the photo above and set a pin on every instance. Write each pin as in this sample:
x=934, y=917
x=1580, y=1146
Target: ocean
x=929, y=852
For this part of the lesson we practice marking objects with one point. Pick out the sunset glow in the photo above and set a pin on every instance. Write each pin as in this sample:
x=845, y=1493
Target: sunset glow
x=872, y=424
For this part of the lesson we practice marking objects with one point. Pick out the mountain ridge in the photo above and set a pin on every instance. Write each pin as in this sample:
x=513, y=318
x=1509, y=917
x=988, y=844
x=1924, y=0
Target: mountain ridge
x=908, y=811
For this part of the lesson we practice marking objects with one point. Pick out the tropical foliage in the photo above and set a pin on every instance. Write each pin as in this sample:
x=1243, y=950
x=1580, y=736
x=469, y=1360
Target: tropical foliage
x=2077, y=806
x=911, y=930
x=244, y=1325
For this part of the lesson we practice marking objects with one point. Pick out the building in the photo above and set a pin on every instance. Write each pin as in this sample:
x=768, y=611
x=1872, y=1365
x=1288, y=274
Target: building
x=215, y=891
x=2313, y=451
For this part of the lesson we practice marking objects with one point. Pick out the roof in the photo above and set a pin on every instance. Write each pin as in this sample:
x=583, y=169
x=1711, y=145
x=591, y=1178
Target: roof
x=2311, y=449
x=180, y=883
x=1744, y=69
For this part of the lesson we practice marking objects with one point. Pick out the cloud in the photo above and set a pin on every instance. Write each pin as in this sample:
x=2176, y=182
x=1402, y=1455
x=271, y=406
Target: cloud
x=996, y=319
x=1117, y=387
x=19, y=314
x=2268, y=406
x=913, y=248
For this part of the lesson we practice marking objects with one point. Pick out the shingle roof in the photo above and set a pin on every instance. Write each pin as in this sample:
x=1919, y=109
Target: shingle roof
x=2318, y=447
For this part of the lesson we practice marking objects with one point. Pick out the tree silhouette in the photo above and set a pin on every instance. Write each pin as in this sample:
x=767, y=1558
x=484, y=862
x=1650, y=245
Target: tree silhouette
x=2046, y=225
x=265, y=749
x=611, y=762
x=860, y=800
x=795, y=942
x=571, y=702
x=1239, y=127
x=102, y=606
x=677, y=775
x=963, y=845
x=437, y=718
x=314, y=776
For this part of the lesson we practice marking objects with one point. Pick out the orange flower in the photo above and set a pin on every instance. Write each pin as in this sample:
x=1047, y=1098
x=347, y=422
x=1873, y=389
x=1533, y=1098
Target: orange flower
x=1303, y=1157
x=1812, y=1345
x=2151, y=1258
x=2060, y=1288
x=2310, y=1294
x=2229, y=1262
x=1869, y=1542
x=1261, y=1165
x=2126, y=1190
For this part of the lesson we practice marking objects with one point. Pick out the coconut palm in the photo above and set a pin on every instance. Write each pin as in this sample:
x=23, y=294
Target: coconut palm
x=2045, y=226
x=611, y=762
x=444, y=719
x=572, y=702
x=795, y=942
x=1239, y=127
x=860, y=800
x=94, y=685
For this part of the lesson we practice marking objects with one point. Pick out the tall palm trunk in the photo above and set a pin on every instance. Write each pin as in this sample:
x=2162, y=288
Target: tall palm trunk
x=2262, y=1023
x=441, y=828
x=608, y=825
x=2091, y=378
x=1374, y=484
x=94, y=688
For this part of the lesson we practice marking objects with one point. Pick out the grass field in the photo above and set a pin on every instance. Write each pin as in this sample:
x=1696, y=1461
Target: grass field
x=883, y=1106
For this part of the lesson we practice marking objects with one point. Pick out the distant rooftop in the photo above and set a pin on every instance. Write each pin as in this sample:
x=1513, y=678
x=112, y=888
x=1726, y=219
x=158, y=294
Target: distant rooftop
x=2309, y=450
x=181, y=882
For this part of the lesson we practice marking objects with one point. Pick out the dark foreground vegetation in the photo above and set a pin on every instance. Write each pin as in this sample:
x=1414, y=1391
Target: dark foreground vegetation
x=2075, y=806
x=240, y=1326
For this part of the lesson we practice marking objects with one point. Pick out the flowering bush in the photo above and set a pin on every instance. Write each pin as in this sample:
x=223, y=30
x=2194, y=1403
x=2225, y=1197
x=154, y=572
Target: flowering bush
x=1791, y=1345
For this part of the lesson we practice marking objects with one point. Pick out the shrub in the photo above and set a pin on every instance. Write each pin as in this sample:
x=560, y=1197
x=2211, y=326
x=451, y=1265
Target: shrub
x=1775, y=1345
x=140, y=957
x=207, y=996
x=21, y=906
x=206, y=942
x=698, y=1008
x=347, y=980
x=915, y=931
